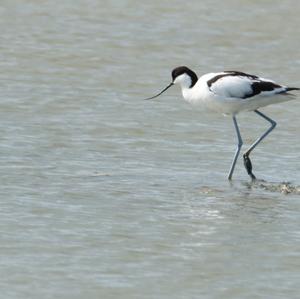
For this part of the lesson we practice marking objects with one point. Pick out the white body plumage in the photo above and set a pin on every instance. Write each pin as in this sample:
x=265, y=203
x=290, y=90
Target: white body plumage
x=230, y=94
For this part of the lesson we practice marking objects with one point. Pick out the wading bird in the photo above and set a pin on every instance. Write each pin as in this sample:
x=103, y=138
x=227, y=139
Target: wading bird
x=231, y=92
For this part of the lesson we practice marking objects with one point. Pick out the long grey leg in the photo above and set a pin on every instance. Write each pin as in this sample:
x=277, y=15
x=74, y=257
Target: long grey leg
x=239, y=145
x=247, y=161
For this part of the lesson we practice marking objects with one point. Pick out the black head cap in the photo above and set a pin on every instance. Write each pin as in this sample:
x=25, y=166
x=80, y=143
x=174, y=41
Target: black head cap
x=185, y=70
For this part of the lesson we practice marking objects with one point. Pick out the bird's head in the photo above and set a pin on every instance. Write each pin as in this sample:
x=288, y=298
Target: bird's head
x=181, y=75
x=184, y=76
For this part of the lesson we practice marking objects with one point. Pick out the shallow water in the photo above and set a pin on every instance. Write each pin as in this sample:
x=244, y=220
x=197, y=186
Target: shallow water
x=104, y=195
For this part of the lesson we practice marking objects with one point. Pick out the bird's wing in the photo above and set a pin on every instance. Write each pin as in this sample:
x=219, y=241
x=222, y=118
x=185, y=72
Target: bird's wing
x=241, y=85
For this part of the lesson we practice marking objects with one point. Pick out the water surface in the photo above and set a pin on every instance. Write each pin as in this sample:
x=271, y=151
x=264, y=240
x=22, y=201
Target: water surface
x=104, y=195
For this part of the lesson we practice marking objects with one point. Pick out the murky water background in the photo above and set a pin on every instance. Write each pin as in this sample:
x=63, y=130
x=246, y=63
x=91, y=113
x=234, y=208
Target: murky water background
x=104, y=195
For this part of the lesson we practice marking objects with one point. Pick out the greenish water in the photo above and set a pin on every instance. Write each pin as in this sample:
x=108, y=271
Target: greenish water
x=104, y=195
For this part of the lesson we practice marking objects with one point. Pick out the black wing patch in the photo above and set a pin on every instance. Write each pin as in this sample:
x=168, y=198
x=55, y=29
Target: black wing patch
x=260, y=86
x=237, y=73
x=229, y=73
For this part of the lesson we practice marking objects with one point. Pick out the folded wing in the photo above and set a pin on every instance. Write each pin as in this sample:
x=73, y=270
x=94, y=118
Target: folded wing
x=241, y=85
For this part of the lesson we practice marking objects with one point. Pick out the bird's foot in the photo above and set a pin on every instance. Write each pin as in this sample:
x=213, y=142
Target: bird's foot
x=248, y=166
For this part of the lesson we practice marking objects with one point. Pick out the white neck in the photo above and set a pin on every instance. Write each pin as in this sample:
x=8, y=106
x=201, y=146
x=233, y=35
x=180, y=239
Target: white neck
x=185, y=81
x=188, y=94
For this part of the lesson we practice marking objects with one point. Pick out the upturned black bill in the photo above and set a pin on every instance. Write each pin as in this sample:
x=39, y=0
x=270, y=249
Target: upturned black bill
x=161, y=91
